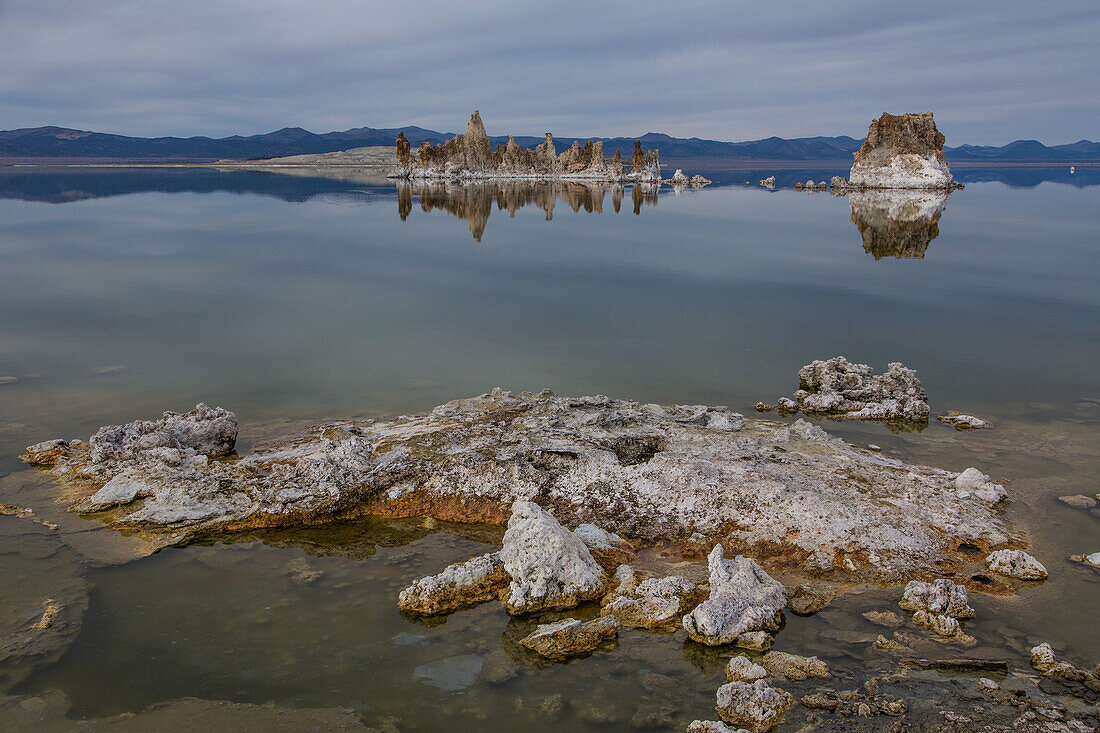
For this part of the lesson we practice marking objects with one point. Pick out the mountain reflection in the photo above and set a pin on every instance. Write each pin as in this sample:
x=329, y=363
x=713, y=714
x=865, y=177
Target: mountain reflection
x=474, y=202
x=897, y=223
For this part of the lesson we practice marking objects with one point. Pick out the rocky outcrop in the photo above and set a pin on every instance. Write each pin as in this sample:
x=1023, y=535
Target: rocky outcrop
x=897, y=224
x=470, y=156
x=840, y=388
x=462, y=584
x=571, y=638
x=743, y=598
x=549, y=566
x=768, y=182
x=645, y=471
x=939, y=605
x=902, y=151
x=1016, y=564
x=755, y=706
x=652, y=602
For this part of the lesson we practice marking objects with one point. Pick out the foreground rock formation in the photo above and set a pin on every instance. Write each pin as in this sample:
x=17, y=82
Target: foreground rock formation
x=853, y=391
x=645, y=471
x=743, y=599
x=902, y=151
x=470, y=156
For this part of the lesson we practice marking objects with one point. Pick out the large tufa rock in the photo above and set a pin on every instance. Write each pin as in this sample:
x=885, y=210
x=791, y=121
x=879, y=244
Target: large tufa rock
x=653, y=602
x=462, y=584
x=570, y=637
x=549, y=566
x=902, y=151
x=743, y=599
x=756, y=706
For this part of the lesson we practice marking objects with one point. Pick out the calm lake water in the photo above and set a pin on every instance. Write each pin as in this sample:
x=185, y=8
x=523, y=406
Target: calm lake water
x=290, y=299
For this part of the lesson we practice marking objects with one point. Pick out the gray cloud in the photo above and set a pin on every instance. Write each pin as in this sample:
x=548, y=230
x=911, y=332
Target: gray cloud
x=993, y=72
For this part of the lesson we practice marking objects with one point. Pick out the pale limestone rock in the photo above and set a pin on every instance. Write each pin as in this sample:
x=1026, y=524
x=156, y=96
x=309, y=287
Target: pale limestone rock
x=570, y=637
x=1016, y=564
x=743, y=598
x=550, y=567
x=755, y=706
x=941, y=596
x=712, y=726
x=462, y=584
x=973, y=482
x=743, y=669
x=204, y=430
x=1042, y=657
x=794, y=667
x=939, y=623
x=679, y=178
x=598, y=539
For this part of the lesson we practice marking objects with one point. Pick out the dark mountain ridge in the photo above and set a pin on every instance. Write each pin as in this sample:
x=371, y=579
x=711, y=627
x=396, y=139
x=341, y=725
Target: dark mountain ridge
x=60, y=142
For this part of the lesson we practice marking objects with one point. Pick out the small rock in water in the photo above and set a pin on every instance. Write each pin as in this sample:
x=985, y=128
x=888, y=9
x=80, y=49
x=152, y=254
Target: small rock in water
x=872, y=446
x=452, y=673
x=462, y=584
x=755, y=705
x=987, y=684
x=712, y=726
x=963, y=422
x=1093, y=559
x=1078, y=501
x=743, y=669
x=1016, y=564
x=755, y=640
x=941, y=596
x=570, y=637
x=794, y=667
x=651, y=603
x=768, y=182
x=974, y=482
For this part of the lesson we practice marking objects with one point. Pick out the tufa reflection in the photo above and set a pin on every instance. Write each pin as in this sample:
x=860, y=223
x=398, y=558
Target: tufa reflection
x=474, y=202
x=897, y=223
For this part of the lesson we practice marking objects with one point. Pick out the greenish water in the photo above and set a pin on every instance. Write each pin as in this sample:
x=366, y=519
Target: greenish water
x=293, y=299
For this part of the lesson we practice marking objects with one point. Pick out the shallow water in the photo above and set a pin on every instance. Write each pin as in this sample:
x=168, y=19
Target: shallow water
x=290, y=299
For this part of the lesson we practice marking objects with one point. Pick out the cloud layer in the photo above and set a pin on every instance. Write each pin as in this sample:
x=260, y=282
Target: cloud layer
x=992, y=72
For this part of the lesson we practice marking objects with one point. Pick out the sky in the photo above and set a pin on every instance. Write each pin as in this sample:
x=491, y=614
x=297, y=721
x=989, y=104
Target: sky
x=992, y=72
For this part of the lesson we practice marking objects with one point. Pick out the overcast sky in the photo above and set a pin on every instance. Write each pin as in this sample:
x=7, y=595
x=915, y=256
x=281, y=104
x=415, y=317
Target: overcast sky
x=992, y=71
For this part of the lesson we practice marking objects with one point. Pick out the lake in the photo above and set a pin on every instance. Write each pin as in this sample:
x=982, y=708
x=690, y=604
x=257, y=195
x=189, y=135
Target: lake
x=290, y=298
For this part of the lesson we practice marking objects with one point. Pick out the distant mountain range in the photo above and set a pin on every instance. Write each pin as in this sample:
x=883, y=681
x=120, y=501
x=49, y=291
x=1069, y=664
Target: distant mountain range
x=60, y=142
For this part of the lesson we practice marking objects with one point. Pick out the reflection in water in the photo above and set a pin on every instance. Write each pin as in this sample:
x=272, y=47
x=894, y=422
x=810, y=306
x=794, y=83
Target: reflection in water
x=474, y=201
x=897, y=223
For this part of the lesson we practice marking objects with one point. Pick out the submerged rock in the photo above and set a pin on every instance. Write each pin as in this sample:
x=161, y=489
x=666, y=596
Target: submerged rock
x=902, y=151
x=853, y=391
x=653, y=602
x=462, y=584
x=743, y=598
x=808, y=599
x=1078, y=501
x=960, y=421
x=756, y=706
x=1016, y=564
x=570, y=637
x=643, y=470
x=550, y=567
